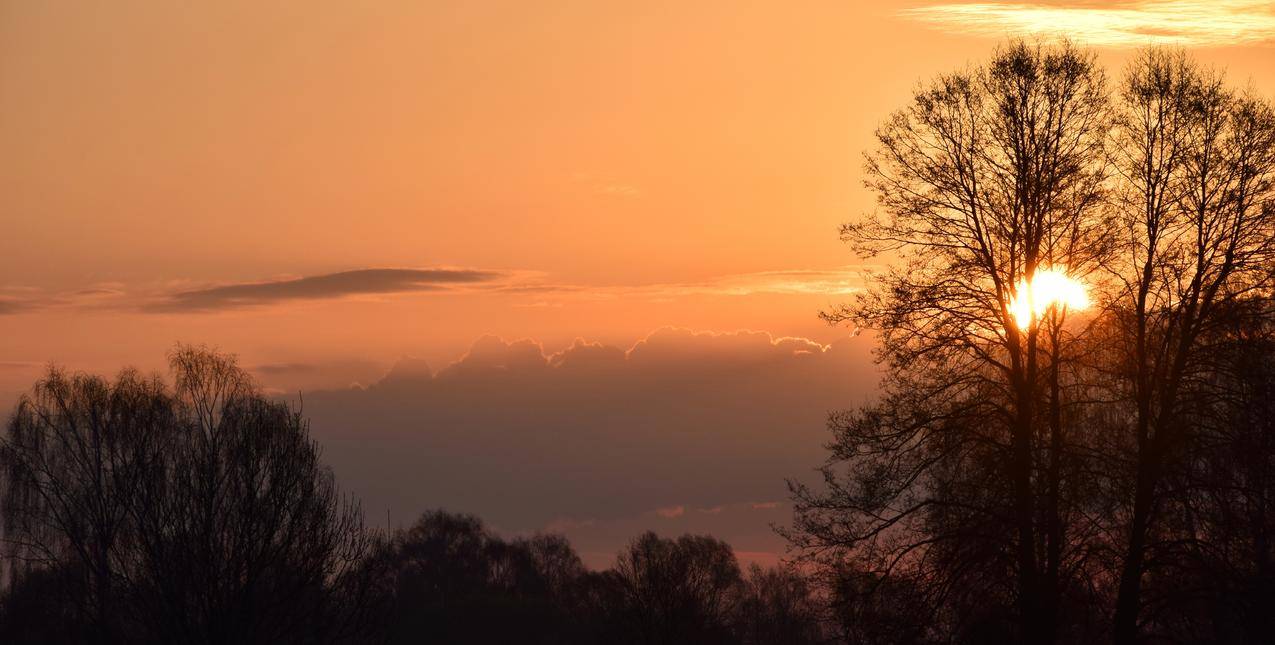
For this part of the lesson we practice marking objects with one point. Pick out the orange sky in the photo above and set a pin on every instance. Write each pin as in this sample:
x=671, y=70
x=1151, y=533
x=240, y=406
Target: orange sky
x=326, y=187
x=609, y=167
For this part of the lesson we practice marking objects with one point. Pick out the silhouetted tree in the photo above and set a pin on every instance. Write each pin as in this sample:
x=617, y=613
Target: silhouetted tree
x=986, y=178
x=77, y=451
x=778, y=605
x=664, y=591
x=199, y=514
x=1051, y=465
x=1197, y=170
x=452, y=581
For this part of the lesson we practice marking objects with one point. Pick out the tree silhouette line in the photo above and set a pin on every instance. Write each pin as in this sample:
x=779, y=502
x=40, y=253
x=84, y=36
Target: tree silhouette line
x=1071, y=476
x=136, y=512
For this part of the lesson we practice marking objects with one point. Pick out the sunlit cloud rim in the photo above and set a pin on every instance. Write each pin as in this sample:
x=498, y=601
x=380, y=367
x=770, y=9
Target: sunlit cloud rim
x=1197, y=23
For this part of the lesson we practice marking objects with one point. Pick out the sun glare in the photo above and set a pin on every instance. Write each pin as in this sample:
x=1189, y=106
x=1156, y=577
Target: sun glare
x=1048, y=288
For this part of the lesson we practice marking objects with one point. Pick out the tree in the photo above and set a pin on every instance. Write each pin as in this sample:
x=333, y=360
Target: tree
x=196, y=514
x=77, y=451
x=988, y=178
x=1196, y=166
x=1212, y=577
x=668, y=591
x=777, y=605
x=450, y=580
x=1100, y=442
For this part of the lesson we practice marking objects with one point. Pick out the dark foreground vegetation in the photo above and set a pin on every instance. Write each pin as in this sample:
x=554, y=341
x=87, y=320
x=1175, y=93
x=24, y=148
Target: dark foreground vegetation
x=1036, y=476
x=136, y=512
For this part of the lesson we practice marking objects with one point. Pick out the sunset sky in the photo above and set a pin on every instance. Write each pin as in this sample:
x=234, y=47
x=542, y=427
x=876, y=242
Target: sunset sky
x=326, y=188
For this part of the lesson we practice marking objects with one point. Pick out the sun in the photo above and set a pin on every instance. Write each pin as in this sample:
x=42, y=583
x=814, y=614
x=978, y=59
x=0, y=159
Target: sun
x=1048, y=288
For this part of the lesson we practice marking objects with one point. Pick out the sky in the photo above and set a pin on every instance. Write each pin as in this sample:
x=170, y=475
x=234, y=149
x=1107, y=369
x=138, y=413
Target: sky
x=346, y=193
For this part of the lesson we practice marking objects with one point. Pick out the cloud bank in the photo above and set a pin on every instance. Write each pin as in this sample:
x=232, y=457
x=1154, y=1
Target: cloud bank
x=681, y=431
x=1201, y=23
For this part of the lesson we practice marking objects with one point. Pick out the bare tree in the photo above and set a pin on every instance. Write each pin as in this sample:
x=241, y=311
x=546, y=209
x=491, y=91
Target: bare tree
x=1196, y=166
x=778, y=605
x=199, y=514
x=676, y=591
x=988, y=177
x=77, y=451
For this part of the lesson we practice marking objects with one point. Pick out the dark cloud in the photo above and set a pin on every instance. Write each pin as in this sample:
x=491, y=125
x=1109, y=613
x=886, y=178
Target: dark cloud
x=596, y=436
x=330, y=285
x=25, y=304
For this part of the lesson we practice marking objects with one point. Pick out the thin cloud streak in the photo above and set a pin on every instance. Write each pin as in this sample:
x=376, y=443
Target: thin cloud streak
x=320, y=287
x=1201, y=23
x=838, y=282
x=527, y=288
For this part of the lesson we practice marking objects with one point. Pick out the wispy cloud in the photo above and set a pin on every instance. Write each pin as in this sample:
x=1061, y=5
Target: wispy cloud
x=1202, y=23
x=838, y=281
x=525, y=288
x=671, y=512
x=319, y=287
x=20, y=365
x=22, y=300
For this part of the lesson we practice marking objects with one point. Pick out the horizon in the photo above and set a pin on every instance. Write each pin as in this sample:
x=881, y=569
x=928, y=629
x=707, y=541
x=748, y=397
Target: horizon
x=594, y=269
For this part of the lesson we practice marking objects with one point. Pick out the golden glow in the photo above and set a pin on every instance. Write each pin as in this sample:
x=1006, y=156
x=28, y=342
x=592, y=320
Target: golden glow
x=1204, y=23
x=1048, y=288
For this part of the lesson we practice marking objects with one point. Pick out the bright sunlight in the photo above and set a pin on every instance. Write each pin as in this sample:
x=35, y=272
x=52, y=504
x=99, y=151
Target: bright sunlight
x=1048, y=288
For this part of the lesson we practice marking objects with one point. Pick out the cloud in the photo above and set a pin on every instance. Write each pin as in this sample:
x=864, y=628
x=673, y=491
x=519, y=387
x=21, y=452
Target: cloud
x=1202, y=23
x=291, y=377
x=708, y=422
x=670, y=512
x=27, y=304
x=525, y=288
x=619, y=190
x=837, y=281
x=318, y=287
x=20, y=365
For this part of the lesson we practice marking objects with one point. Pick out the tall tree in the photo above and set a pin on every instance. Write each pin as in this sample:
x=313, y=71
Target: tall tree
x=988, y=178
x=1197, y=168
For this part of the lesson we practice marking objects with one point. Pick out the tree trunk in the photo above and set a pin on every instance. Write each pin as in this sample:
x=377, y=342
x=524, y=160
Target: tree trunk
x=1053, y=516
x=1033, y=623
x=1125, y=628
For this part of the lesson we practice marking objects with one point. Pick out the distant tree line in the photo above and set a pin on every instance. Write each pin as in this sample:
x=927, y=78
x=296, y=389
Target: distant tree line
x=449, y=580
x=1040, y=474
x=135, y=511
